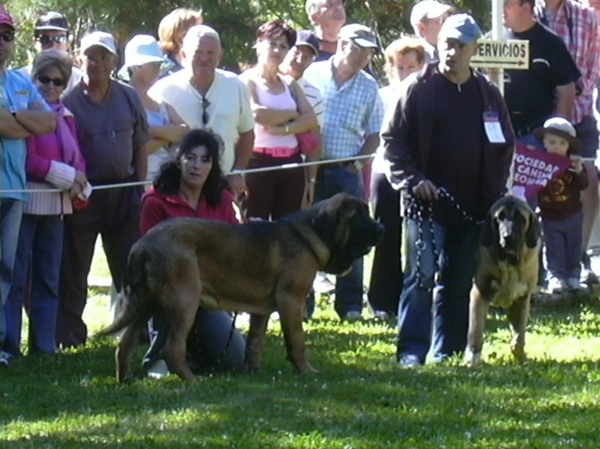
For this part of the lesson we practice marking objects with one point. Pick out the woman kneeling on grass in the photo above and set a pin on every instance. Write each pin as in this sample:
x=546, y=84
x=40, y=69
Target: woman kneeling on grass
x=193, y=185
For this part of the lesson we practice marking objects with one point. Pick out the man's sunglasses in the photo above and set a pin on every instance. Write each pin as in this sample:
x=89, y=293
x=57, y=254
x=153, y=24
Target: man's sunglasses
x=8, y=36
x=47, y=40
x=58, y=82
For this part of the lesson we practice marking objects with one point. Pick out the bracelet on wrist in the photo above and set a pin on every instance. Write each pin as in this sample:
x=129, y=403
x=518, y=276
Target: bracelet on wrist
x=312, y=180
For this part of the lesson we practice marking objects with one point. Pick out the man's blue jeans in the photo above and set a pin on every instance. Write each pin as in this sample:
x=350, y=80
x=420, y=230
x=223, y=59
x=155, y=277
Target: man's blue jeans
x=349, y=288
x=11, y=211
x=436, y=289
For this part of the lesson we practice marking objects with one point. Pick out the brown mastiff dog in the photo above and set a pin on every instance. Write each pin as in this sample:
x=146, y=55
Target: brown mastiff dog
x=258, y=267
x=506, y=273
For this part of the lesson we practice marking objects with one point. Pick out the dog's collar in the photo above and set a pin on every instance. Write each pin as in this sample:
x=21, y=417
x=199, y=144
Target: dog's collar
x=316, y=245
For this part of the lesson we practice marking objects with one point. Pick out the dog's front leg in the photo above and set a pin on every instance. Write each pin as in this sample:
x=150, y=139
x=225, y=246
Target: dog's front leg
x=518, y=315
x=255, y=342
x=478, y=309
x=290, y=314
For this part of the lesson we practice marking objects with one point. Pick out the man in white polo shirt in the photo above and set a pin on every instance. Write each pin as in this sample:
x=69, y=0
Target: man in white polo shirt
x=209, y=98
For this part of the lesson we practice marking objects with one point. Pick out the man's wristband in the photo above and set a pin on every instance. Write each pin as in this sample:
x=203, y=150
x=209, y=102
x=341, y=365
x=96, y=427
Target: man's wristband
x=312, y=180
x=286, y=129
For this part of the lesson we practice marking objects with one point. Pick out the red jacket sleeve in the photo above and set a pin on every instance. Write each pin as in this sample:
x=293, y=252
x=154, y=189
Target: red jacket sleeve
x=153, y=212
x=37, y=166
x=227, y=208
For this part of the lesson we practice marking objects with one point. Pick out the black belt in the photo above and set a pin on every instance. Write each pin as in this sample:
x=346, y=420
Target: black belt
x=336, y=164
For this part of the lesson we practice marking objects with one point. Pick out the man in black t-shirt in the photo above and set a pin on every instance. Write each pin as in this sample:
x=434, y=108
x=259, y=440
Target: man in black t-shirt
x=547, y=88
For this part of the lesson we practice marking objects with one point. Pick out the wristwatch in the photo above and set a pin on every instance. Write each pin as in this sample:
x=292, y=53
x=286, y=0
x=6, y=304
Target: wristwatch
x=358, y=165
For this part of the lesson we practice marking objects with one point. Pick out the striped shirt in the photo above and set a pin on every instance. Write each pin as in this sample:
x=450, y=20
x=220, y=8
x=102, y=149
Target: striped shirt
x=576, y=25
x=352, y=111
x=314, y=97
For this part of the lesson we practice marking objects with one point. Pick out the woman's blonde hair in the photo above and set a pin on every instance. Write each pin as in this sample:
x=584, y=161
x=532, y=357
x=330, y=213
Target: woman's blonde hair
x=173, y=25
x=400, y=47
x=52, y=58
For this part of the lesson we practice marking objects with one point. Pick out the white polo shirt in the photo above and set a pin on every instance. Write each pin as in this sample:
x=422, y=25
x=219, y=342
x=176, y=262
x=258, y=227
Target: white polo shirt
x=229, y=112
x=314, y=97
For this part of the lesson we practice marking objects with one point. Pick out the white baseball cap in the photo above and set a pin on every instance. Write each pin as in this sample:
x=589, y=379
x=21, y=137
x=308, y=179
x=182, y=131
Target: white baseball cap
x=141, y=49
x=427, y=9
x=99, y=39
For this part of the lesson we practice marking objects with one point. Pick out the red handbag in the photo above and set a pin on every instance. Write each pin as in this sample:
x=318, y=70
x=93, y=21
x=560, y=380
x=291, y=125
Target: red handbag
x=308, y=142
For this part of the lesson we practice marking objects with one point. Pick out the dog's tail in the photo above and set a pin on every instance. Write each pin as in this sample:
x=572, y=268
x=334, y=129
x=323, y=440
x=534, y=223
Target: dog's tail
x=128, y=299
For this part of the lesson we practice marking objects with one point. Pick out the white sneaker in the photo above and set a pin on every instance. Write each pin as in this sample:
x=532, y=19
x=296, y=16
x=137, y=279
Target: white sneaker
x=158, y=370
x=573, y=284
x=556, y=285
x=410, y=361
x=4, y=359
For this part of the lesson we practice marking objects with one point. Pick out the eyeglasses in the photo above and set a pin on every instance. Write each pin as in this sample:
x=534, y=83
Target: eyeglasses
x=205, y=116
x=8, y=36
x=58, y=82
x=47, y=40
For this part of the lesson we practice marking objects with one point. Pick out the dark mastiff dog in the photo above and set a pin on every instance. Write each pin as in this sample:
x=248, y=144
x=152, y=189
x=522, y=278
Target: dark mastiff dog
x=506, y=274
x=259, y=267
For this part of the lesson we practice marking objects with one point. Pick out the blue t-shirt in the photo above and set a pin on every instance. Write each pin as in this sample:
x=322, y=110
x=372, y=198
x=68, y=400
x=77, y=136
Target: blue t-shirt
x=19, y=92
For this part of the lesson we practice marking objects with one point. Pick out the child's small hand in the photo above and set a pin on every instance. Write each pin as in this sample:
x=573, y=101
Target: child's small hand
x=576, y=164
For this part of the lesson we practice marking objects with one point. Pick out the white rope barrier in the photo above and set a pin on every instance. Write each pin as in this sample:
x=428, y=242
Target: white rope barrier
x=235, y=172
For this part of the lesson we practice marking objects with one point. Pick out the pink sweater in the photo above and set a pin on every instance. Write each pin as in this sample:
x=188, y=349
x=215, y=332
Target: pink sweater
x=46, y=170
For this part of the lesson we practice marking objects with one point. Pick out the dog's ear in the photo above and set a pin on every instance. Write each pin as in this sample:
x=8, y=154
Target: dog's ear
x=489, y=230
x=533, y=231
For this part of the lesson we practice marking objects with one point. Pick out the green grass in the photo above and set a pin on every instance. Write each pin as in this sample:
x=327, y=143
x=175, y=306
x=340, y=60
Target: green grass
x=360, y=399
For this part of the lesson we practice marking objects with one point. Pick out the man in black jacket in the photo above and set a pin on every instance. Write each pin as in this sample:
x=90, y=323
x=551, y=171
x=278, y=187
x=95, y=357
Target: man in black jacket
x=450, y=145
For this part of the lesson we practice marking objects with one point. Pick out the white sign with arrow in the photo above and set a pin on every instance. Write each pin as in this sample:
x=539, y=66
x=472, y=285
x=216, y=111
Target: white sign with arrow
x=498, y=54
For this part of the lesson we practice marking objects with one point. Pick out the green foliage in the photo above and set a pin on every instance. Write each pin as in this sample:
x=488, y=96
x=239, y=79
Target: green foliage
x=236, y=20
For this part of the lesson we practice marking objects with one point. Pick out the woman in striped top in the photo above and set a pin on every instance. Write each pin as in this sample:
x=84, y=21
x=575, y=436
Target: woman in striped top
x=55, y=164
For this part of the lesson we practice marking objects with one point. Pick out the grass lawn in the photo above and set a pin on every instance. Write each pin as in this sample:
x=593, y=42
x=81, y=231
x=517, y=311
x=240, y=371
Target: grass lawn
x=360, y=399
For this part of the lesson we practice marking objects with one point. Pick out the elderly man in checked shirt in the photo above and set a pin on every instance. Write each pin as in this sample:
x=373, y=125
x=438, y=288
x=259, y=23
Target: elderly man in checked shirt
x=353, y=117
x=576, y=24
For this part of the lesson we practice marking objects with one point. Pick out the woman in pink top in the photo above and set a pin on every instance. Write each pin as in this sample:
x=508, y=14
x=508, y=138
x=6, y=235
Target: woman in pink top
x=280, y=111
x=193, y=185
x=53, y=162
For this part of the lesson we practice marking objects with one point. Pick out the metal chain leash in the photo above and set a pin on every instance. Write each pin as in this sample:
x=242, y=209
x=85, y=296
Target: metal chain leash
x=416, y=210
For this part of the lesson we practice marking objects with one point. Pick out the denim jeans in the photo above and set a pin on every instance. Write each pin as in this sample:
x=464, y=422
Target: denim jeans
x=434, y=305
x=349, y=288
x=11, y=211
x=38, y=260
x=212, y=345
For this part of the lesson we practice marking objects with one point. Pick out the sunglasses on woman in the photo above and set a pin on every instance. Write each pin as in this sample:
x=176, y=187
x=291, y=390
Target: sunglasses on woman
x=58, y=82
x=8, y=36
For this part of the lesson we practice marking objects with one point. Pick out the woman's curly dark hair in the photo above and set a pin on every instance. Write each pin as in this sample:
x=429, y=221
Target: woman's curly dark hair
x=169, y=177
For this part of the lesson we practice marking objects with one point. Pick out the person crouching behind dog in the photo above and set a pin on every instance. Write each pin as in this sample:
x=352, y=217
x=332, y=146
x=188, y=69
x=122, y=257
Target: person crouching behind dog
x=560, y=207
x=193, y=185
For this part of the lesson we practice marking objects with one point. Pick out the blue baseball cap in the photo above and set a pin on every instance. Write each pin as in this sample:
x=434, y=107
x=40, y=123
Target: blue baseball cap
x=308, y=39
x=461, y=27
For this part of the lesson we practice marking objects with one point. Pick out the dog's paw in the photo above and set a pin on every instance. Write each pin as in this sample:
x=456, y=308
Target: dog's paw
x=472, y=358
x=518, y=354
x=251, y=368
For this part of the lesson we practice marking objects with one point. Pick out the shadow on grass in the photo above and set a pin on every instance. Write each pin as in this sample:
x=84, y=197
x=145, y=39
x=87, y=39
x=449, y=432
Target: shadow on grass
x=359, y=399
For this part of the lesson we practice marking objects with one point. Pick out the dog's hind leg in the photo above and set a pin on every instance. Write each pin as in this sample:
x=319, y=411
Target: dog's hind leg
x=255, y=342
x=180, y=319
x=478, y=309
x=291, y=325
x=125, y=349
x=518, y=315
